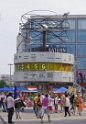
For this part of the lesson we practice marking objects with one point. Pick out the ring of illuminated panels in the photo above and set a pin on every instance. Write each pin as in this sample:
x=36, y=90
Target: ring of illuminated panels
x=43, y=67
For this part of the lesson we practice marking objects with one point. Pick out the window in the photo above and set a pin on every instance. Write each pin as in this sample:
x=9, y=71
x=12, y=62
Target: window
x=71, y=36
x=82, y=63
x=70, y=48
x=82, y=24
x=71, y=24
x=82, y=50
x=81, y=36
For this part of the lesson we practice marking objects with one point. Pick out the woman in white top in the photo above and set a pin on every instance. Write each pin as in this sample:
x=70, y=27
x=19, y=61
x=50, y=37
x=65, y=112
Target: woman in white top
x=3, y=101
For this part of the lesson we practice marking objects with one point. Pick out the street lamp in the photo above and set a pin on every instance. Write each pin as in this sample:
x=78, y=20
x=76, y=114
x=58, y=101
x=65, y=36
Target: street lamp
x=10, y=71
x=44, y=28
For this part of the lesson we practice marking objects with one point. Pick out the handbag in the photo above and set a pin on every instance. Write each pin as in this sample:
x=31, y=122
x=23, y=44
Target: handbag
x=39, y=104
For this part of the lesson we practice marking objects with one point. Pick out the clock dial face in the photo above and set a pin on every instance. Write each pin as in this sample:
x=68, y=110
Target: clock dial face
x=43, y=67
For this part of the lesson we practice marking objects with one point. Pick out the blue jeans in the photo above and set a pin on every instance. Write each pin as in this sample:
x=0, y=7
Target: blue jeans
x=4, y=107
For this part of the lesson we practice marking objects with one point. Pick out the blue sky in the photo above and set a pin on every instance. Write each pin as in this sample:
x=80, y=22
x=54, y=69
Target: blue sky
x=10, y=15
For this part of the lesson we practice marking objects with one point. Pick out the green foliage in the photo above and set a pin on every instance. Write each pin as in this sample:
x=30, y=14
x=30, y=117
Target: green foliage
x=2, y=83
x=9, y=85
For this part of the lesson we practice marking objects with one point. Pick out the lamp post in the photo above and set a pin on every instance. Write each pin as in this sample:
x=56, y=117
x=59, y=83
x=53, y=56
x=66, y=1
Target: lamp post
x=10, y=71
x=44, y=28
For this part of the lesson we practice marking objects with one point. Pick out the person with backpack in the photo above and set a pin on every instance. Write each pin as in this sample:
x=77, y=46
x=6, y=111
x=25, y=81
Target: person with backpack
x=18, y=107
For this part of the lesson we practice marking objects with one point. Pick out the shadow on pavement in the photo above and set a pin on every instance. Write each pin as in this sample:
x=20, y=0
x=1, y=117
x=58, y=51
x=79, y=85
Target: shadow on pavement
x=53, y=122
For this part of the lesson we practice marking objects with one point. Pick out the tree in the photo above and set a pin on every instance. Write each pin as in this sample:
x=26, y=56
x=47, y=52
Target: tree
x=9, y=85
x=2, y=83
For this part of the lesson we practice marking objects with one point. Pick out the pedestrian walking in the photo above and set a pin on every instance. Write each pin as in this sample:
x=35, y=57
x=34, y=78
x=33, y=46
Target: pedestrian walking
x=67, y=105
x=79, y=104
x=56, y=103
x=18, y=107
x=39, y=106
x=3, y=102
x=72, y=103
x=50, y=104
x=75, y=103
x=10, y=107
x=45, y=108
x=62, y=101
x=35, y=104
x=42, y=97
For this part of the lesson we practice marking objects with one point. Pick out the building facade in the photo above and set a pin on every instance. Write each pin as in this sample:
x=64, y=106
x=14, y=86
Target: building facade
x=53, y=34
x=44, y=68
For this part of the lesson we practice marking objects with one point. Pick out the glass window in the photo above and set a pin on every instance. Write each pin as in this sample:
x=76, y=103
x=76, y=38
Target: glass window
x=82, y=50
x=82, y=24
x=53, y=40
x=71, y=24
x=68, y=36
x=36, y=34
x=82, y=36
x=70, y=48
x=82, y=63
x=71, y=36
x=57, y=37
